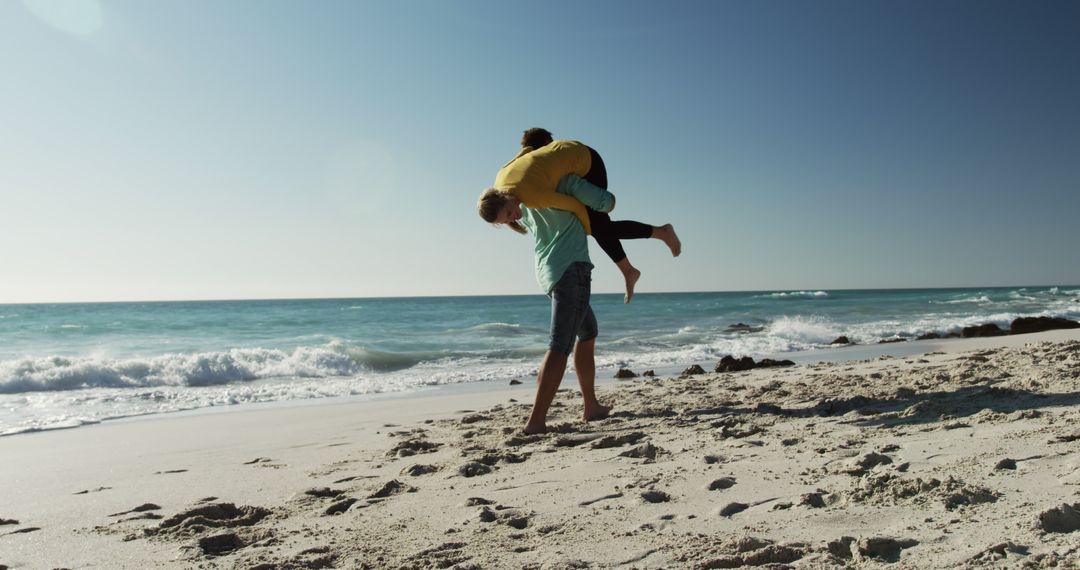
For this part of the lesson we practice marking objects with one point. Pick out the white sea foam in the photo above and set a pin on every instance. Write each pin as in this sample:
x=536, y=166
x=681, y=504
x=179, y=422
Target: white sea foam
x=202, y=369
x=1019, y=295
x=805, y=330
x=108, y=399
x=982, y=299
x=811, y=294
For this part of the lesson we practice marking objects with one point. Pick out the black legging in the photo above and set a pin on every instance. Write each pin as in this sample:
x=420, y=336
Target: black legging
x=606, y=232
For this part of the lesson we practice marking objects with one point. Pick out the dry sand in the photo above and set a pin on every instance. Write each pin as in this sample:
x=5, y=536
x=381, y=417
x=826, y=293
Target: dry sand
x=964, y=457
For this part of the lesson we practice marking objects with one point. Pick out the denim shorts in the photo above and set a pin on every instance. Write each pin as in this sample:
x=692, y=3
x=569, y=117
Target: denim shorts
x=571, y=314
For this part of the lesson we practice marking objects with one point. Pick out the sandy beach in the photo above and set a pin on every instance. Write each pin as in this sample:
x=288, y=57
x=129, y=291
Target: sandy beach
x=965, y=456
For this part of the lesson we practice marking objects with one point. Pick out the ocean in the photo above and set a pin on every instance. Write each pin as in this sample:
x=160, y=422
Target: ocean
x=67, y=365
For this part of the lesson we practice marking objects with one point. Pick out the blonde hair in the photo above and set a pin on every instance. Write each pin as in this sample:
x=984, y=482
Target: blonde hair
x=491, y=202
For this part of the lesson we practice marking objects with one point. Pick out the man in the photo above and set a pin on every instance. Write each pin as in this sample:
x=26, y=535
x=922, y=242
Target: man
x=564, y=272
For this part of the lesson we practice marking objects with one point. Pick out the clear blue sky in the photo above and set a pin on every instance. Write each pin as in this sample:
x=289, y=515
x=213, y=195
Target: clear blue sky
x=250, y=149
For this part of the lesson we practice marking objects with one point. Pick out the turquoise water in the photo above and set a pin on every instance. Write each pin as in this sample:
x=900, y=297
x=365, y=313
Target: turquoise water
x=65, y=365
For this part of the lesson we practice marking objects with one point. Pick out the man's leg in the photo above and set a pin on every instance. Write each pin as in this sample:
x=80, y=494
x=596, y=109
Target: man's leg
x=569, y=305
x=585, y=367
x=548, y=379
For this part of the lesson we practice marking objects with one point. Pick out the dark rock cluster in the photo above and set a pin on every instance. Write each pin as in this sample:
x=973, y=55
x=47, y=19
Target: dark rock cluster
x=1021, y=325
x=731, y=364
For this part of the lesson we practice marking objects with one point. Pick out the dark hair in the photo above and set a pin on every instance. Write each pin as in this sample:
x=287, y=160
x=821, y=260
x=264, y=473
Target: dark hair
x=536, y=137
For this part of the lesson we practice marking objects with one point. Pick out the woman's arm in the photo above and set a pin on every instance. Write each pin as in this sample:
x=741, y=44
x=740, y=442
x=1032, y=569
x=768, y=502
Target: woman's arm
x=592, y=196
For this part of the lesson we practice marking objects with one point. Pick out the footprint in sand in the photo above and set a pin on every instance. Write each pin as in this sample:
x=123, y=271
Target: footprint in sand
x=1062, y=519
x=474, y=418
x=412, y=447
x=522, y=439
x=656, y=497
x=265, y=462
x=340, y=507
x=143, y=512
x=756, y=552
x=24, y=530
x=221, y=544
x=618, y=440
x=815, y=500
x=98, y=490
x=324, y=493
x=733, y=508
x=214, y=515
x=418, y=470
x=391, y=488
x=491, y=457
x=443, y=556
x=473, y=469
x=170, y=472
x=353, y=478
x=645, y=451
x=722, y=483
x=511, y=517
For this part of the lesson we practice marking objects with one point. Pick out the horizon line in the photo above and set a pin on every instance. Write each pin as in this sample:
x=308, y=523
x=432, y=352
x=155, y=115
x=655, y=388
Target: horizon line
x=347, y=298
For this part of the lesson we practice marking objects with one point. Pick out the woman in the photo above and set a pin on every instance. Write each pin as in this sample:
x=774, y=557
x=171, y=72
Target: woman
x=531, y=179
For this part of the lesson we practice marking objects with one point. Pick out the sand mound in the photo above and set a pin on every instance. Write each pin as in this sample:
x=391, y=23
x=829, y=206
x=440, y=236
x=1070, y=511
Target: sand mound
x=217, y=515
x=890, y=489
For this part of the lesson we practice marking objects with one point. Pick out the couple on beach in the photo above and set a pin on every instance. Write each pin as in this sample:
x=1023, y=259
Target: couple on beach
x=558, y=191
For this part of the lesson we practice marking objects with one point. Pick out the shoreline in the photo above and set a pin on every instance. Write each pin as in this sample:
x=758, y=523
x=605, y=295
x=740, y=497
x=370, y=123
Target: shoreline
x=72, y=485
x=605, y=376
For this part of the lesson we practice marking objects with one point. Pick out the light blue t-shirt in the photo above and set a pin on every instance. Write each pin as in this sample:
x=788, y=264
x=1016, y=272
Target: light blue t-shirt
x=558, y=235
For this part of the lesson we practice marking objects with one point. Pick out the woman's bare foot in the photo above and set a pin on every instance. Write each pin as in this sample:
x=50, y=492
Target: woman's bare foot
x=631, y=278
x=597, y=412
x=666, y=233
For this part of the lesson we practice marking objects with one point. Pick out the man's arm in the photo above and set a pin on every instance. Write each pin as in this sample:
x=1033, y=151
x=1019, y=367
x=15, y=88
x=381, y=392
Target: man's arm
x=585, y=192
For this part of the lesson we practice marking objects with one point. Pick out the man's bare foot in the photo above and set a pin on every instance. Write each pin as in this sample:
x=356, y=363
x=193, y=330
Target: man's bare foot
x=631, y=278
x=598, y=412
x=666, y=233
x=533, y=430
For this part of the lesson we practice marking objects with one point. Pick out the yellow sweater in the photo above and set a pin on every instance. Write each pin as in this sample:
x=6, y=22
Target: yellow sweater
x=533, y=175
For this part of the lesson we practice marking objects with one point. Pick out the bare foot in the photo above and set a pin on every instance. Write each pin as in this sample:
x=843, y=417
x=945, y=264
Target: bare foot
x=666, y=233
x=597, y=412
x=631, y=278
x=533, y=430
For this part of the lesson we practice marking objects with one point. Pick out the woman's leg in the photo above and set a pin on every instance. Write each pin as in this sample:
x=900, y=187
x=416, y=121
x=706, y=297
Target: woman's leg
x=608, y=233
x=603, y=231
x=597, y=174
x=628, y=229
x=636, y=230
